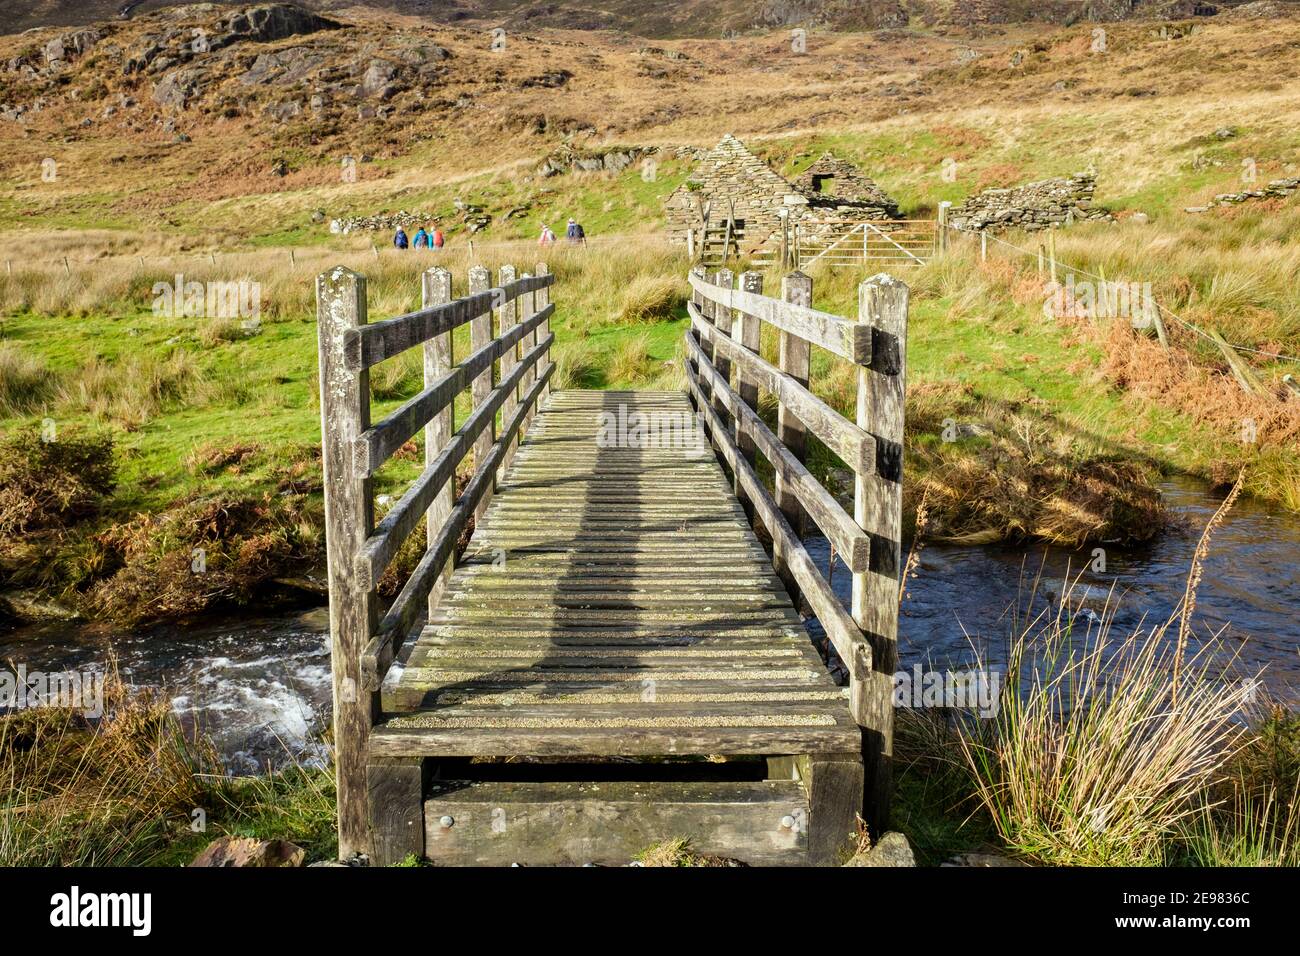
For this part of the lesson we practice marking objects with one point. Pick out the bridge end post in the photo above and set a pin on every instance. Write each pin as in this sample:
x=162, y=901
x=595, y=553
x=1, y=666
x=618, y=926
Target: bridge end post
x=349, y=521
x=542, y=300
x=877, y=509
x=435, y=289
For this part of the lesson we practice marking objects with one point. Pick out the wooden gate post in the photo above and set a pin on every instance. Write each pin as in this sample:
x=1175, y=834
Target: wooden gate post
x=877, y=509
x=349, y=520
x=435, y=289
x=943, y=225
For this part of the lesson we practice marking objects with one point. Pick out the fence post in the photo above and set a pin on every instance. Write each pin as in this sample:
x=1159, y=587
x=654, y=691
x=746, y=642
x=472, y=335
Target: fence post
x=435, y=289
x=509, y=359
x=877, y=508
x=1051, y=254
x=542, y=300
x=527, y=308
x=943, y=225
x=984, y=246
x=480, y=334
x=349, y=520
x=793, y=358
x=750, y=335
x=722, y=321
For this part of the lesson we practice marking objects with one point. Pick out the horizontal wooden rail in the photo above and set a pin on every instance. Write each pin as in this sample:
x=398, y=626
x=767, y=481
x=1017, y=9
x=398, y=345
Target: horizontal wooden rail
x=848, y=640
x=404, y=516
x=724, y=340
x=378, y=443
x=364, y=644
x=851, y=542
x=369, y=345
x=856, y=448
x=409, y=604
x=850, y=340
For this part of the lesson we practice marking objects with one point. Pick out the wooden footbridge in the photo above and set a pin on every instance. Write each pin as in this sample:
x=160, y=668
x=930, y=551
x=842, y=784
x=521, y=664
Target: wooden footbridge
x=617, y=657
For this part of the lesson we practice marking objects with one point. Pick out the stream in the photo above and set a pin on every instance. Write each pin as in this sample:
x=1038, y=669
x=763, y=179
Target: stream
x=260, y=685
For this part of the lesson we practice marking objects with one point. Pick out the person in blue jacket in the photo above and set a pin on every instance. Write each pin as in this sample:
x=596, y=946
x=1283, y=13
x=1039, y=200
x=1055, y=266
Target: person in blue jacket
x=400, y=240
x=421, y=239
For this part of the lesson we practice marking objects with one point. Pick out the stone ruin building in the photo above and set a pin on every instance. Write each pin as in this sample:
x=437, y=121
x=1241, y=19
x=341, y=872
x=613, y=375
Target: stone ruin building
x=729, y=180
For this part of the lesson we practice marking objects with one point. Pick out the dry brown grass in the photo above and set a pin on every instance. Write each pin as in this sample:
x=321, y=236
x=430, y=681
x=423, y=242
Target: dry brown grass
x=108, y=791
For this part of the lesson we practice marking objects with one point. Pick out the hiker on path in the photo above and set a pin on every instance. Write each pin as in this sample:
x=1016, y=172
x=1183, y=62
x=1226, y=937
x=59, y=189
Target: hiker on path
x=400, y=240
x=438, y=239
x=575, y=232
x=421, y=239
x=547, y=237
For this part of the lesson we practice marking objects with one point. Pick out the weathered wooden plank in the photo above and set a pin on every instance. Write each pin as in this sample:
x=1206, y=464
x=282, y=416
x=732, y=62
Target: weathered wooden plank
x=855, y=446
x=371, y=344
x=496, y=824
x=851, y=542
x=878, y=509
x=403, y=736
x=834, y=783
x=349, y=516
x=396, y=790
x=832, y=332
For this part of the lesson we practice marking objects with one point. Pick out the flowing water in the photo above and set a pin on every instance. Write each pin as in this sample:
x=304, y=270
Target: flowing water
x=261, y=685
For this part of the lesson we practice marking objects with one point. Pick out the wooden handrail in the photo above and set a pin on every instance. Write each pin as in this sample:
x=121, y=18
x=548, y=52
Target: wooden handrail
x=865, y=634
x=363, y=647
x=835, y=334
x=369, y=345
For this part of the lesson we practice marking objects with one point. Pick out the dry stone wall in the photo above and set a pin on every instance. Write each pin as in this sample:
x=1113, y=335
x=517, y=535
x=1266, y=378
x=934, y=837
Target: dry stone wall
x=1040, y=205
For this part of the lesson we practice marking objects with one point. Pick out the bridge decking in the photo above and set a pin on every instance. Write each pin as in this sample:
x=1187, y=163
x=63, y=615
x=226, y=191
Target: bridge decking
x=613, y=601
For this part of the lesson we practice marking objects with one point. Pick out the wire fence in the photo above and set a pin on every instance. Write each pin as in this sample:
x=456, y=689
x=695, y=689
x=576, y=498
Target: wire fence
x=1164, y=310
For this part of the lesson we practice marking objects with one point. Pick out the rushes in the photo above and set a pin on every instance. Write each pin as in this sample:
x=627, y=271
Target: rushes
x=1098, y=756
x=1197, y=570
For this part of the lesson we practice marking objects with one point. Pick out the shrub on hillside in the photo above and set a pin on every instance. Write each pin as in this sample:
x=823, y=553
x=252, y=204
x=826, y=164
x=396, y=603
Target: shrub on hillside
x=47, y=484
x=203, y=552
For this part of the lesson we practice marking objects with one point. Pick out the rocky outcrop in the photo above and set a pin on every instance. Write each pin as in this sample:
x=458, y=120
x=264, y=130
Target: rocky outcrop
x=570, y=159
x=1040, y=205
x=892, y=849
x=232, y=851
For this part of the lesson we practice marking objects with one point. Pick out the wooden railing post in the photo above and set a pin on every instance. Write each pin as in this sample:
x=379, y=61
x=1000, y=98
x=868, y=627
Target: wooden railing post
x=750, y=335
x=527, y=308
x=942, y=226
x=722, y=320
x=793, y=359
x=877, y=509
x=349, y=520
x=435, y=289
x=509, y=358
x=480, y=334
x=542, y=300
